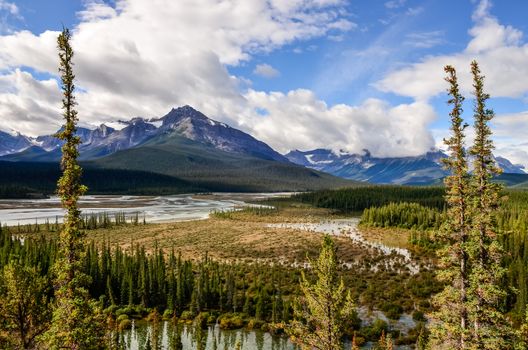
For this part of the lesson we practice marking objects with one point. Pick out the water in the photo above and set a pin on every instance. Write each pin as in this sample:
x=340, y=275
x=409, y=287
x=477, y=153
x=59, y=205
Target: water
x=155, y=209
x=349, y=228
x=213, y=338
x=142, y=334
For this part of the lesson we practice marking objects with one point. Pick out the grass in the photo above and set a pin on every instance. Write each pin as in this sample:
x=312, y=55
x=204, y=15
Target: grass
x=238, y=236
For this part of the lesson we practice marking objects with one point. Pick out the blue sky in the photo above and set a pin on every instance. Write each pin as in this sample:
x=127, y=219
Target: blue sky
x=301, y=74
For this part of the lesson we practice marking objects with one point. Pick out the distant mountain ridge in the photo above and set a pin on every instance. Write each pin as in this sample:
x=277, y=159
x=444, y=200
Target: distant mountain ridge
x=198, y=145
x=419, y=170
x=104, y=140
x=13, y=143
x=186, y=147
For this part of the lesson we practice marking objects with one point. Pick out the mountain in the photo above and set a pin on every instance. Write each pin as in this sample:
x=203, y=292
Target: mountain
x=205, y=166
x=424, y=169
x=195, y=126
x=13, y=143
x=188, y=146
x=508, y=167
x=34, y=154
x=31, y=179
x=184, y=121
x=420, y=170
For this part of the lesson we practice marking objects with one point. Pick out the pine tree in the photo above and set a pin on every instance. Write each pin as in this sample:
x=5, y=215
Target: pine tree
x=450, y=331
x=325, y=306
x=76, y=323
x=385, y=342
x=23, y=305
x=354, y=345
x=421, y=342
x=490, y=330
x=521, y=342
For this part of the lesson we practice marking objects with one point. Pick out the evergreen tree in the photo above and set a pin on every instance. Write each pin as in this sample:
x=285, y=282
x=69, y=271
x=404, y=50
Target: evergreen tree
x=354, y=345
x=450, y=331
x=522, y=335
x=325, y=306
x=23, y=305
x=385, y=342
x=75, y=323
x=490, y=330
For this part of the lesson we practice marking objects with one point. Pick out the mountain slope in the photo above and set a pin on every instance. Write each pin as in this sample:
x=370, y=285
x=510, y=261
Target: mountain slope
x=24, y=179
x=13, y=143
x=103, y=140
x=420, y=170
x=205, y=166
x=405, y=170
x=34, y=154
x=195, y=126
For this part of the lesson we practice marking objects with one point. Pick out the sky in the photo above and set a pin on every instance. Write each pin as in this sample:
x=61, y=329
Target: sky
x=347, y=75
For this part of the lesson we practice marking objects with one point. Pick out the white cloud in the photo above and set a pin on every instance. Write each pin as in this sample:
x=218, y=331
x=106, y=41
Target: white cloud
x=498, y=48
x=299, y=120
x=22, y=98
x=502, y=56
x=266, y=71
x=394, y=4
x=414, y=11
x=143, y=57
x=425, y=40
x=10, y=7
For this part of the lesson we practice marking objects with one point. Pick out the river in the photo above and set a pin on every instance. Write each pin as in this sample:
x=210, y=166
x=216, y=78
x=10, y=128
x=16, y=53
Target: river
x=155, y=209
x=200, y=339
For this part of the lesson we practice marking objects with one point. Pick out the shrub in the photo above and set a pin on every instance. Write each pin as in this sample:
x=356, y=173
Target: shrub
x=418, y=316
x=231, y=321
x=125, y=324
x=186, y=315
x=122, y=317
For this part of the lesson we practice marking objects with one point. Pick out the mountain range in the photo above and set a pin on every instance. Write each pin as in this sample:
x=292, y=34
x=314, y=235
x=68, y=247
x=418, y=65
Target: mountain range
x=104, y=140
x=187, y=145
x=184, y=145
x=419, y=170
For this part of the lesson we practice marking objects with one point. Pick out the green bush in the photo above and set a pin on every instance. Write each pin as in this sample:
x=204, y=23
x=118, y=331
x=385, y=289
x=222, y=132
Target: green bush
x=168, y=314
x=254, y=324
x=125, y=324
x=186, y=315
x=418, y=316
x=121, y=318
x=373, y=331
x=231, y=321
x=392, y=311
x=201, y=320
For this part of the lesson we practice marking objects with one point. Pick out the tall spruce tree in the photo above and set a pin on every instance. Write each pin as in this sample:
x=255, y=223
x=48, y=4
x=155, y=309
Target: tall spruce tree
x=490, y=328
x=325, y=307
x=75, y=323
x=451, y=328
x=24, y=306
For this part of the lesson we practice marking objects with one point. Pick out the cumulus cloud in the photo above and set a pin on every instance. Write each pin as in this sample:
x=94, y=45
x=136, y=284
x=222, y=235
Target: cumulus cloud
x=10, y=7
x=502, y=55
x=266, y=71
x=498, y=48
x=142, y=57
x=299, y=120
